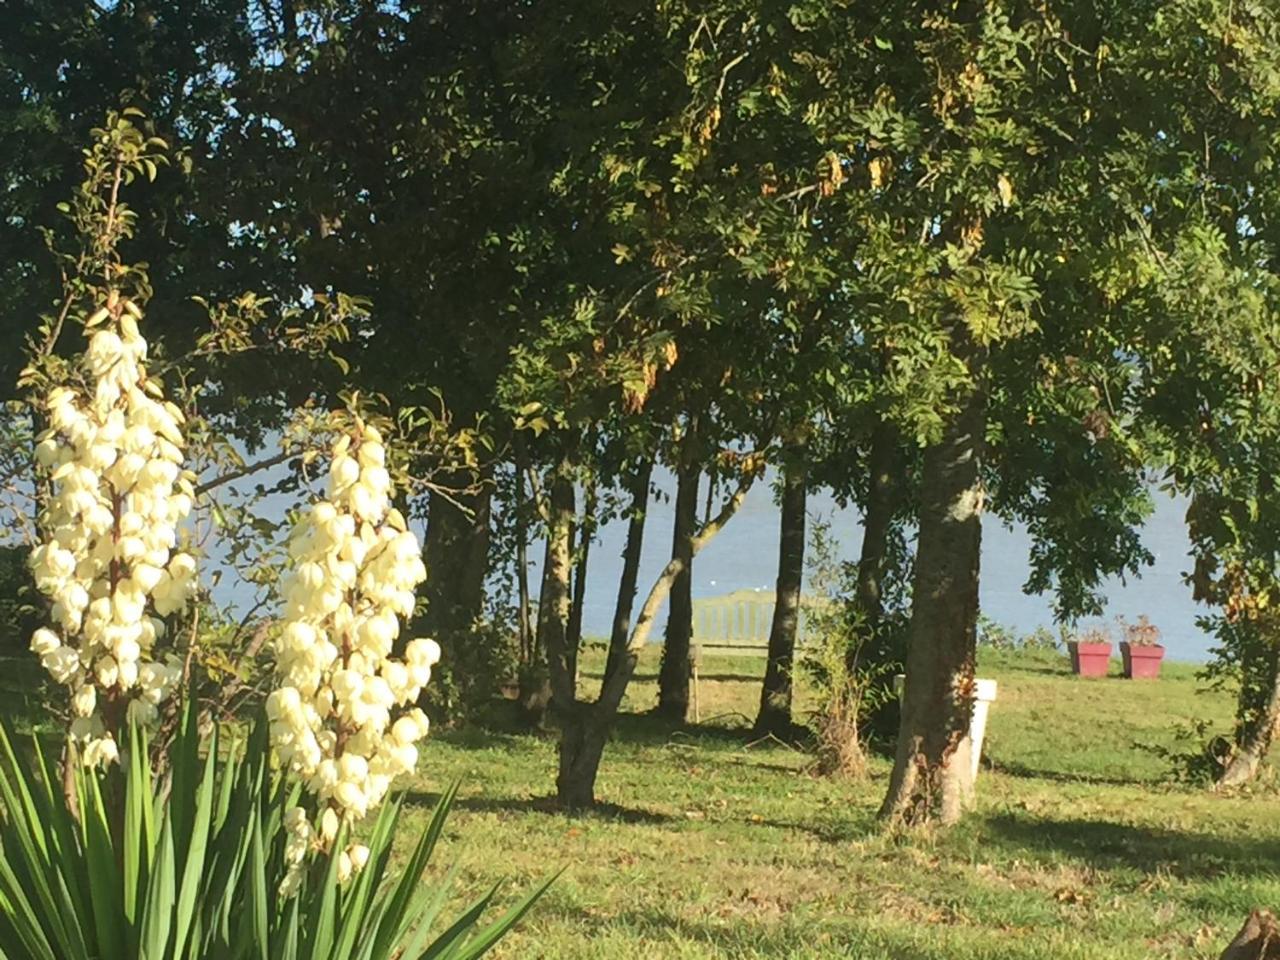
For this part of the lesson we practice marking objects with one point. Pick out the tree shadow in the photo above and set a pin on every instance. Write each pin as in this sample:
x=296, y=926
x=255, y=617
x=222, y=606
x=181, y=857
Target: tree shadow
x=1024, y=772
x=546, y=805
x=485, y=736
x=637, y=677
x=636, y=728
x=836, y=833
x=1048, y=671
x=1106, y=845
x=648, y=728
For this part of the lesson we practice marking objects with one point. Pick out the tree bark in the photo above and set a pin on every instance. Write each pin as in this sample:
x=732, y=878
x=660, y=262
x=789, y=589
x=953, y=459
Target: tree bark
x=457, y=558
x=885, y=493
x=525, y=625
x=932, y=777
x=585, y=532
x=674, y=674
x=538, y=677
x=586, y=729
x=534, y=694
x=883, y=496
x=1258, y=939
x=456, y=554
x=630, y=567
x=554, y=603
x=774, y=716
x=1256, y=741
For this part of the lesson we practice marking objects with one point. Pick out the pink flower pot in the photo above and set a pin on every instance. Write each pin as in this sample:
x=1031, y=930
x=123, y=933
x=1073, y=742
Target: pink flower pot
x=1141, y=662
x=1090, y=659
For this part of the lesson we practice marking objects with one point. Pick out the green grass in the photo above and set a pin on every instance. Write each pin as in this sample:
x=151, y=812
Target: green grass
x=715, y=847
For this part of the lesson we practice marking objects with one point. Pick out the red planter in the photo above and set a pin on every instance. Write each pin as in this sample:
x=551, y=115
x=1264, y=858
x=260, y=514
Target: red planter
x=1090, y=659
x=1141, y=662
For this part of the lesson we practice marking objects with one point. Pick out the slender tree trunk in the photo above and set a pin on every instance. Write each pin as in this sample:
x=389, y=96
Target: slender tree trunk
x=883, y=497
x=885, y=493
x=630, y=568
x=674, y=674
x=586, y=531
x=1256, y=738
x=586, y=728
x=774, y=716
x=457, y=558
x=525, y=625
x=932, y=777
x=456, y=554
x=535, y=678
x=556, y=602
x=543, y=682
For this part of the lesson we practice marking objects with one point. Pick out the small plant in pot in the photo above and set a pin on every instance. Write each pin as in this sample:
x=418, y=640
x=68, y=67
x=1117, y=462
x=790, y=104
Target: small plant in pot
x=1141, y=650
x=1091, y=653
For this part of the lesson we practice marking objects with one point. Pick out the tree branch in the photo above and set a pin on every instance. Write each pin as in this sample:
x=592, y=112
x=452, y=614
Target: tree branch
x=244, y=471
x=615, y=684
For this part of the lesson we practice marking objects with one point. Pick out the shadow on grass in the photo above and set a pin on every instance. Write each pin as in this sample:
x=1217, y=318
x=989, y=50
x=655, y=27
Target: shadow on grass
x=503, y=720
x=847, y=831
x=1062, y=672
x=722, y=675
x=1107, y=845
x=610, y=812
x=1024, y=772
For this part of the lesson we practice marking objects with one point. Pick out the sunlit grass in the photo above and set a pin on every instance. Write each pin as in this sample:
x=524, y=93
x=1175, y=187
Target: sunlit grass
x=711, y=846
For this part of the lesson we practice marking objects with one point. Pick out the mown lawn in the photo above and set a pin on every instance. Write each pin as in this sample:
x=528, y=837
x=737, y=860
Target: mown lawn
x=715, y=847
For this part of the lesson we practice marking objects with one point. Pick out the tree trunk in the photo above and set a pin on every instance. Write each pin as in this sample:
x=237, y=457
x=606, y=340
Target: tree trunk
x=586, y=531
x=1258, y=939
x=871, y=646
x=456, y=554
x=774, y=716
x=932, y=777
x=545, y=680
x=582, y=740
x=525, y=625
x=630, y=568
x=555, y=600
x=457, y=558
x=673, y=676
x=1256, y=741
x=883, y=496
x=535, y=682
x=586, y=728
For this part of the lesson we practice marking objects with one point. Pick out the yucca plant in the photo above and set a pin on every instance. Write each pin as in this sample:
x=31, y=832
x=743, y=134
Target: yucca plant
x=187, y=867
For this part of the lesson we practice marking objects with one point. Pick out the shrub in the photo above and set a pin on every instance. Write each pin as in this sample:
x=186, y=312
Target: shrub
x=189, y=869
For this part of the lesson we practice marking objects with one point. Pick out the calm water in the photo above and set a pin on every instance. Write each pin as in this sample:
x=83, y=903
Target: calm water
x=745, y=556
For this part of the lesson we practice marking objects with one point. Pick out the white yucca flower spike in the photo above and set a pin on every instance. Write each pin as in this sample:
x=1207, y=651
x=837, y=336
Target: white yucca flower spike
x=343, y=720
x=109, y=558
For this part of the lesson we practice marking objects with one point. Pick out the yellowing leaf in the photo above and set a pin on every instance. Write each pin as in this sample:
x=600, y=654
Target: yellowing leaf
x=1005, y=186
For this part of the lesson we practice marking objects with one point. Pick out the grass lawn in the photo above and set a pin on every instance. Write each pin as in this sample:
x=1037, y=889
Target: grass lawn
x=715, y=847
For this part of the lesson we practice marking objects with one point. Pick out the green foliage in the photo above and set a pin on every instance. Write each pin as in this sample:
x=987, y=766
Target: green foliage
x=997, y=636
x=189, y=865
x=850, y=664
x=465, y=684
x=18, y=599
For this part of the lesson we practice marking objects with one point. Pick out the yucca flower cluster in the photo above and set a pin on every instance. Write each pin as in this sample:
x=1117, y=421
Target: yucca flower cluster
x=109, y=559
x=342, y=718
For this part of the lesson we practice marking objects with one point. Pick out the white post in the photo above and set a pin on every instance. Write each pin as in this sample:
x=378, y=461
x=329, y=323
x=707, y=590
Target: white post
x=984, y=694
